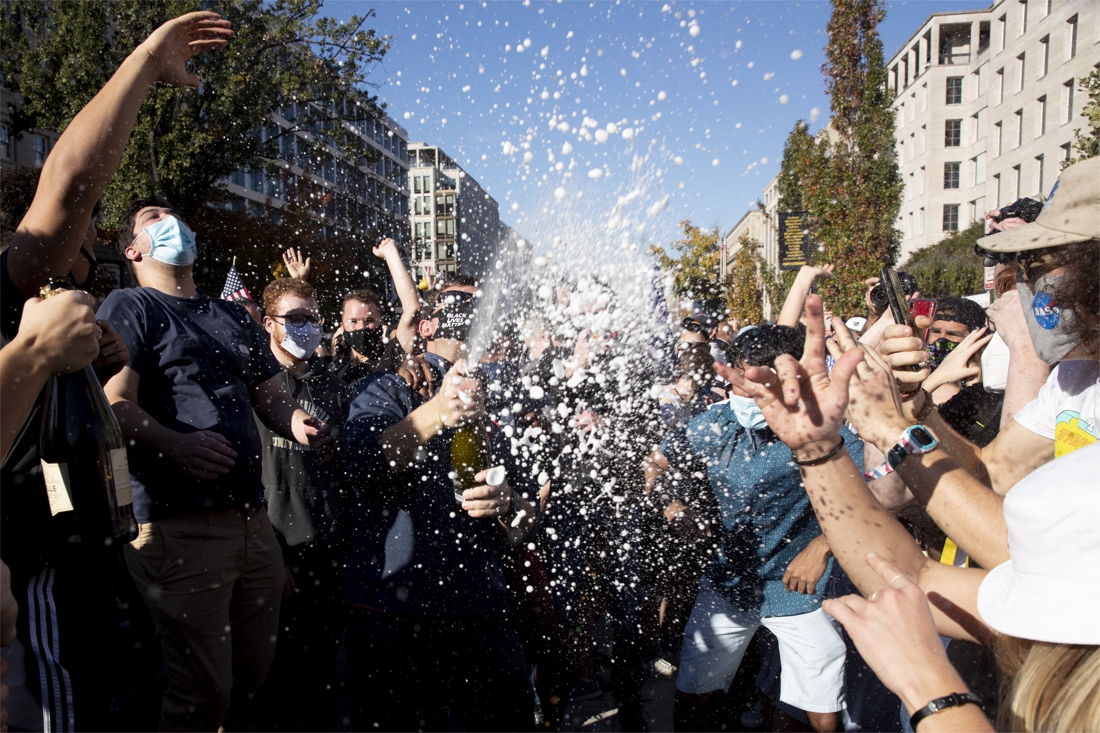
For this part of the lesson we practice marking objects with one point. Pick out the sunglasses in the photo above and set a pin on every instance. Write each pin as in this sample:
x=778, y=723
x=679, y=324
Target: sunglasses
x=299, y=319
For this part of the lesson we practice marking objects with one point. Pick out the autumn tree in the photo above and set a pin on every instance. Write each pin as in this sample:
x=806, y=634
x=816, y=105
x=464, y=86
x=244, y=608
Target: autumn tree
x=695, y=264
x=285, y=58
x=950, y=267
x=847, y=177
x=1086, y=143
x=745, y=282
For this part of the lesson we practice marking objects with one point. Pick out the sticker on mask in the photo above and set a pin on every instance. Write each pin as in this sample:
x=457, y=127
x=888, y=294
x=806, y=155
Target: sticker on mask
x=1047, y=314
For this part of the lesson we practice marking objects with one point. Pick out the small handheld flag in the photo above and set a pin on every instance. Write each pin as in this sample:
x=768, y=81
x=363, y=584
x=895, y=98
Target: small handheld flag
x=234, y=287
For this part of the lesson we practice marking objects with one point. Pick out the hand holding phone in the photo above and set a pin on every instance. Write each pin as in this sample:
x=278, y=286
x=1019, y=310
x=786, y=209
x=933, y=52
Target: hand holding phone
x=895, y=297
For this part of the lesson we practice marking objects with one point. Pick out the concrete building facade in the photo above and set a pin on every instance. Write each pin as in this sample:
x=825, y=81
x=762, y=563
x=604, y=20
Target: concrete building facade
x=30, y=147
x=454, y=223
x=986, y=104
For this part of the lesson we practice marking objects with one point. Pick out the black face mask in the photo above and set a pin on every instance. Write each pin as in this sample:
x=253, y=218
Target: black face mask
x=455, y=317
x=93, y=266
x=365, y=341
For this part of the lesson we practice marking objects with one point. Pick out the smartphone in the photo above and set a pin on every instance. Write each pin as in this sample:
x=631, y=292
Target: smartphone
x=923, y=307
x=895, y=296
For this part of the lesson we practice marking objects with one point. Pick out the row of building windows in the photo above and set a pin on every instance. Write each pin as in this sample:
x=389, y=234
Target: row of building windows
x=7, y=146
x=425, y=250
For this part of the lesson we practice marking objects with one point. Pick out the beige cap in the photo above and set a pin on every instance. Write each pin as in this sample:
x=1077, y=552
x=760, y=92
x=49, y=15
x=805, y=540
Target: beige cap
x=1071, y=214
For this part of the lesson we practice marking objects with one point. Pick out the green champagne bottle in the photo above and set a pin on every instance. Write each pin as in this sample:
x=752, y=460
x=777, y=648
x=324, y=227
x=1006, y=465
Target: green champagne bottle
x=469, y=456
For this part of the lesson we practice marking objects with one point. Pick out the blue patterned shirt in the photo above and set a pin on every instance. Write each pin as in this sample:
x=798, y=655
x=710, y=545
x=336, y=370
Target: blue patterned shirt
x=766, y=515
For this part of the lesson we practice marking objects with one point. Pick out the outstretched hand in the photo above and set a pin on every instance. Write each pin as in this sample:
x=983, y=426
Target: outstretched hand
x=386, y=247
x=803, y=403
x=295, y=265
x=171, y=45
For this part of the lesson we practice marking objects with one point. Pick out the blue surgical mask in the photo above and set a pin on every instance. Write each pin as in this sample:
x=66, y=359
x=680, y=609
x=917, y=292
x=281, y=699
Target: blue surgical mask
x=172, y=242
x=747, y=412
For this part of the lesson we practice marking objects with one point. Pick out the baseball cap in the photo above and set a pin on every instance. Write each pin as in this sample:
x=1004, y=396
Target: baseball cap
x=1050, y=590
x=960, y=310
x=705, y=320
x=1071, y=214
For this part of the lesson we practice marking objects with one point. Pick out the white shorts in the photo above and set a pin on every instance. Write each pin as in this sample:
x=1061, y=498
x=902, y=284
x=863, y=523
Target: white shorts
x=811, y=651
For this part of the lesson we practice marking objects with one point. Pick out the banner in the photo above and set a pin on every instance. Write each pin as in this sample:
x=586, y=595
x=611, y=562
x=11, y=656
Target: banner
x=794, y=240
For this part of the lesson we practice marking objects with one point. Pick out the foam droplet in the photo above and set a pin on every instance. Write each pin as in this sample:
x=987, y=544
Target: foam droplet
x=595, y=173
x=559, y=193
x=796, y=54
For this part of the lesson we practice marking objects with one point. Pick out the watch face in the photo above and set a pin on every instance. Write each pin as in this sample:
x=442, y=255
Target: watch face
x=921, y=437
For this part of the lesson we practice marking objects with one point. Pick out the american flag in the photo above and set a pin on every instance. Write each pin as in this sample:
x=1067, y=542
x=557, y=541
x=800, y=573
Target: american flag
x=234, y=287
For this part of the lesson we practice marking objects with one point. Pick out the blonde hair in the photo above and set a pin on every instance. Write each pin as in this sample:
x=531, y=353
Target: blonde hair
x=1050, y=687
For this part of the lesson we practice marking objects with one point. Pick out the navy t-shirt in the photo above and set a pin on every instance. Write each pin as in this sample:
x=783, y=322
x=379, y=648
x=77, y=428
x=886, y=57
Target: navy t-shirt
x=198, y=359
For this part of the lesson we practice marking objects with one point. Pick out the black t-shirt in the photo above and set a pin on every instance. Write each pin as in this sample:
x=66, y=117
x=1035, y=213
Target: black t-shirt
x=351, y=370
x=198, y=359
x=27, y=534
x=975, y=414
x=303, y=495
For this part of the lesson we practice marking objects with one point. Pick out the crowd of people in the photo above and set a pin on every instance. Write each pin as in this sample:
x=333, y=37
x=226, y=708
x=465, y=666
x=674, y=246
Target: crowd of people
x=895, y=519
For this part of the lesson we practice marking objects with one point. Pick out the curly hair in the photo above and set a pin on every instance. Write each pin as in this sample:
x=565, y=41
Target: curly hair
x=1076, y=288
x=281, y=286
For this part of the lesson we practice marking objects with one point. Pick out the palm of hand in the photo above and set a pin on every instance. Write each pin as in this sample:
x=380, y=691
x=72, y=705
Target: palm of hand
x=173, y=43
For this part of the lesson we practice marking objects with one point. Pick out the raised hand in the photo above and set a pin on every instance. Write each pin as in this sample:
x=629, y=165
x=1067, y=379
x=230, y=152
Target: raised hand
x=822, y=272
x=1007, y=314
x=957, y=366
x=875, y=405
x=486, y=500
x=803, y=403
x=295, y=265
x=60, y=331
x=901, y=348
x=385, y=248
x=171, y=45
x=459, y=400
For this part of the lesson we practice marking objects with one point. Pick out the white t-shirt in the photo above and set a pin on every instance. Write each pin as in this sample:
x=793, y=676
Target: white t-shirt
x=1067, y=409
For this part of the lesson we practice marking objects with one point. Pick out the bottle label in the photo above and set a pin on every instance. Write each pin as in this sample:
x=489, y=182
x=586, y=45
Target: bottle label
x=58, y=487
x=120, y=468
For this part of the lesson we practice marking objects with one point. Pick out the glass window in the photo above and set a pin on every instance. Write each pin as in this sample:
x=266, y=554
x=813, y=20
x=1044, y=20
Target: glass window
x=41, y=150
x=1039, y=174
x=954, y=90
x=951, y=217
x=1041, y=116
x=1071, y=37
x=952, y=137
x=1067, y=96
x=1021, y=62
x=5, y=142
x=951, y=175
x=1044, y=56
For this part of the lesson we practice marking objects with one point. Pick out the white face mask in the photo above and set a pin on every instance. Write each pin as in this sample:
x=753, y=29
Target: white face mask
x=748, y=413
x=301, y=341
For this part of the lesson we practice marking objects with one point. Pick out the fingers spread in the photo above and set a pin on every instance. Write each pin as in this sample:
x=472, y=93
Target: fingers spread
x=791, y=376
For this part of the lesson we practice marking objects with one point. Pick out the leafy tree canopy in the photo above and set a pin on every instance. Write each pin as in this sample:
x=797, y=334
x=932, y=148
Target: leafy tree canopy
x=950, y=267
x=285, y=58
x=695, y=266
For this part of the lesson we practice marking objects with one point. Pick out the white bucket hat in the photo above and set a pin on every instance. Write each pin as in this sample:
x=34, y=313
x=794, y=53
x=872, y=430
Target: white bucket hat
x=1050, y=589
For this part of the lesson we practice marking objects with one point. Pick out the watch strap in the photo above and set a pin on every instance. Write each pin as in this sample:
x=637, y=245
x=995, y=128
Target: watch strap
x=953, y=700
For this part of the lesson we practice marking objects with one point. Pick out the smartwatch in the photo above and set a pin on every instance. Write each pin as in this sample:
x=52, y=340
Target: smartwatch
x=914, y=440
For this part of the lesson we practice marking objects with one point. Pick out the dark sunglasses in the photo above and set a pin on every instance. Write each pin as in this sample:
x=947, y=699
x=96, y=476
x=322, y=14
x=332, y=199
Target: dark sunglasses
x=299, y=319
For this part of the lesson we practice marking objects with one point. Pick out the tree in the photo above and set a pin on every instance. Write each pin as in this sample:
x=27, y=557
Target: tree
x=1087, y=143
x=744, y=282
x=696, y=266
x=848, y=180
x=950, y=267
x=311, y=70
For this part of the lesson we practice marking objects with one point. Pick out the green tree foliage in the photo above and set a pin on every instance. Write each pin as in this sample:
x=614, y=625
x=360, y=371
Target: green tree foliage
x=695, y=266
x=1086, y=142
x=745, y=282
x=849, y=180
x=285, y=58
x=950, y=267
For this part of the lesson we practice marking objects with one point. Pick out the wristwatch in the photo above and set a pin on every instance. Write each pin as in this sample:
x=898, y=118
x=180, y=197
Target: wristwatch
x=914, y=440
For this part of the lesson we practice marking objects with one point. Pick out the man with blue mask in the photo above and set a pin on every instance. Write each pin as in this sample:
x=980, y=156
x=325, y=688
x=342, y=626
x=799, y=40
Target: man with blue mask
x=198, y=368
x=772, y=564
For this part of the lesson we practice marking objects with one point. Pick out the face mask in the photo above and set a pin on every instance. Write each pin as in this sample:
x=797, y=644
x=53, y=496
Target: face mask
x=301, y=341
x=173, y=243
x=938, y=351
x=748, y=412
x=1054, y=330
x=365, y=341
x=93, y=266
x=454, y=320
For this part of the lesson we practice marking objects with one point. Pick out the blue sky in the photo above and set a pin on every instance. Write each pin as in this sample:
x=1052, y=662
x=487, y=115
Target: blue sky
x=699, y=96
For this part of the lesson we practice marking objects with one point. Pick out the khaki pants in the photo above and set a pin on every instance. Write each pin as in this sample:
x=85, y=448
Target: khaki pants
x=213, y=582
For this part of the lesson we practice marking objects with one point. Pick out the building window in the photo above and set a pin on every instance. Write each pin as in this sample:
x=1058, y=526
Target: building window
x=1016, y=173
x=954, y=90
x=998, y=139
x=1001, y=30
x=1041, y=119
x=5, y=142
x=997, y=190
x=1019, y=128
x=1039, y=173
x=1023, y=17
x=951, y=175
x=951, y=217
x=41, y=150
x=1067, y=98
x=1071, y=38
x=999, y=86
x=952, y=134
x=1066, y=151
x=921, y=180
x=1044, y=56
x=1021, y=65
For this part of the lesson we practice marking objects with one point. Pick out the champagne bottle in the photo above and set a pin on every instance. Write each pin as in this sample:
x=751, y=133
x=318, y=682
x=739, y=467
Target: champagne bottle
x=469, y=455
x=83, y=456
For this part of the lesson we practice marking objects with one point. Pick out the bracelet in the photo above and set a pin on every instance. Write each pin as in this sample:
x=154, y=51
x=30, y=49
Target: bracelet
x=819, y=461
x=953, y=700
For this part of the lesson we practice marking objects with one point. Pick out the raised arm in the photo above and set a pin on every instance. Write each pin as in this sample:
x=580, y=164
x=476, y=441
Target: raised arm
x=88, y=152
x=796, y=297
x=406, y=292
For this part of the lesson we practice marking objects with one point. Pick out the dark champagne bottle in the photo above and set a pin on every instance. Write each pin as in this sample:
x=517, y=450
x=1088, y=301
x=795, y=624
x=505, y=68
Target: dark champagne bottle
x=469, y=455
x=83, y=456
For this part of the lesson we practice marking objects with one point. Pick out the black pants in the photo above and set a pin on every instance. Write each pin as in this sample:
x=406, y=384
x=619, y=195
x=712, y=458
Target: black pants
x=300, y=688
x=423, y=673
